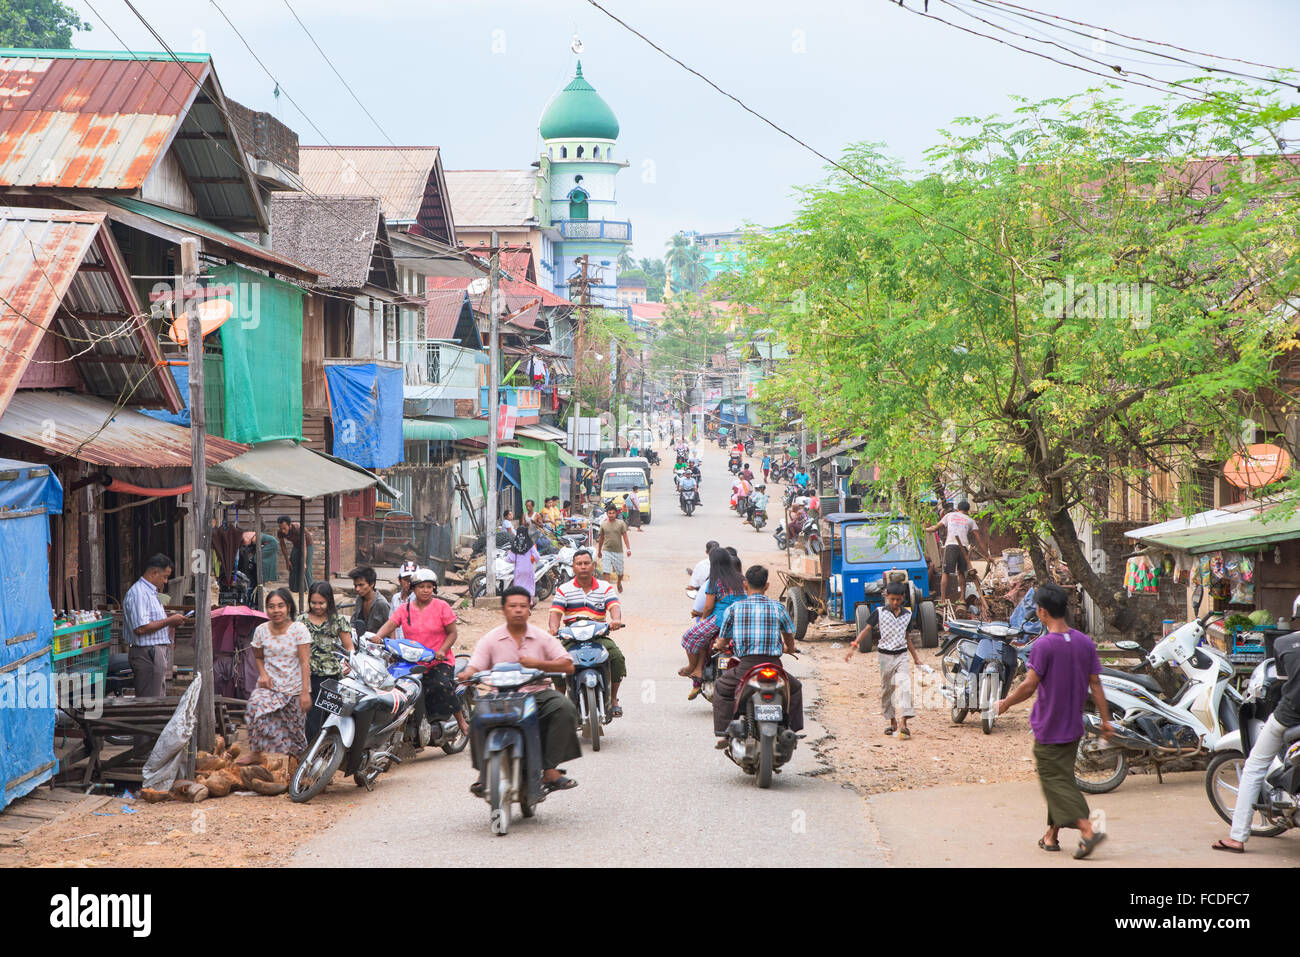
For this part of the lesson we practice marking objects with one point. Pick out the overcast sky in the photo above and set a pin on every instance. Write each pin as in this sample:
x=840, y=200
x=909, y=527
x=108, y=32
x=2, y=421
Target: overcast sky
x=473, y=76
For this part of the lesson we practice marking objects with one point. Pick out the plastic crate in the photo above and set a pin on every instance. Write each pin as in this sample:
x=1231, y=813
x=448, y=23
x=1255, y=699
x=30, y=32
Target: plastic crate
x=75, y=637
x=89, y=660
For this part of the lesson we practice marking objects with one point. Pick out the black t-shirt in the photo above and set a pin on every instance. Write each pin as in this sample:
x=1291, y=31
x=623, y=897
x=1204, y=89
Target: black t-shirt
x=1286, y=650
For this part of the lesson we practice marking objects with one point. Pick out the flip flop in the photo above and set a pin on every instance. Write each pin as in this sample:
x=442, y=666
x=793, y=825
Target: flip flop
x=1048, y=847
x=1220, y=845
x=694, y=693
x=616, y=711
x=1087, y=847
x=477, y=789
x=560, y=784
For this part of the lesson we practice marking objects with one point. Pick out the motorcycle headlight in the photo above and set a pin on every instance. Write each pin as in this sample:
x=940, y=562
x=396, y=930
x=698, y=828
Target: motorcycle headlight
x=371, y=672
x=411, y=653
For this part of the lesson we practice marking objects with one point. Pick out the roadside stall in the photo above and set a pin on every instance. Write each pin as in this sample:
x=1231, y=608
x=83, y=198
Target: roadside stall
x=1242, y=561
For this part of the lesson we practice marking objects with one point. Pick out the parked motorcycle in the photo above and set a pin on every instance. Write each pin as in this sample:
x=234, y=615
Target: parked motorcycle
x=1150, y=729
x=508, y=739
x=1001, y=651
x=589, y=685
x=1277, y=804
x=759, y=739
x=423, y=729
x=505, y=574
x=368, y=710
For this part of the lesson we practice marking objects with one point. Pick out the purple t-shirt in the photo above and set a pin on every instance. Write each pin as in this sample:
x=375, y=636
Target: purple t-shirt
x=1063, y=663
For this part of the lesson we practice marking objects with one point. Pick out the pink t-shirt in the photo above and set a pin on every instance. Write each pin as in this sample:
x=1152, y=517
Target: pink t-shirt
x=960, y=525
x=427, y=625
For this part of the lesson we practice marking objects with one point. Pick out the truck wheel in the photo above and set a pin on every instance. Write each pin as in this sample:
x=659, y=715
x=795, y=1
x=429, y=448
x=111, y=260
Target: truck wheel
x=929, y=624
x=860, y=616
x=797, y=609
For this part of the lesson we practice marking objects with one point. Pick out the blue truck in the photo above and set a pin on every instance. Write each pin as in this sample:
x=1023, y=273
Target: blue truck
x=866, y=551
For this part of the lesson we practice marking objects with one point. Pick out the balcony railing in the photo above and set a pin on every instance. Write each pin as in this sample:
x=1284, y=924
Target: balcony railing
x=595, y=229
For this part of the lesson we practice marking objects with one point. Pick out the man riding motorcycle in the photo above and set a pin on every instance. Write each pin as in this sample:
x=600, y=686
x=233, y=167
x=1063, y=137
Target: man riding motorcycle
x=687, y=484
x=757, y=503
x=587, y=598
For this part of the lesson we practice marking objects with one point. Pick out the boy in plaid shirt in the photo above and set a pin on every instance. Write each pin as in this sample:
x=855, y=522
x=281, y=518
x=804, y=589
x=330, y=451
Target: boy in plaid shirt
x=759, y=630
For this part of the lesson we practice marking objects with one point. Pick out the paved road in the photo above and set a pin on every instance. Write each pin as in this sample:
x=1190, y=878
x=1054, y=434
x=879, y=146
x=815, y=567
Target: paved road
x=657, y=793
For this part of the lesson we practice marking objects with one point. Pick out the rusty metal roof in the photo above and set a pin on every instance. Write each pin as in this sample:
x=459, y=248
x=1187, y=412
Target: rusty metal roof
x=94, y=430
x=68, y=302
x=87, y=120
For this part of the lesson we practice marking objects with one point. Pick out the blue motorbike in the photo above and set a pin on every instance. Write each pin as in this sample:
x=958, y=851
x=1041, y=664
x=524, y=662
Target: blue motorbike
x=979, y=661
x=589, y=686
x=508, y=742
x=422, y=729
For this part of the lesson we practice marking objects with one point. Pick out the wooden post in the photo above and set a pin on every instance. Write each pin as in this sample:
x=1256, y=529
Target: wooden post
x=199, y=521
x=304, y=571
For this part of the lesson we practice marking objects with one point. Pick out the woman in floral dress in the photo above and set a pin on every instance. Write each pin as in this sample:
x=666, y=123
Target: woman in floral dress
x=330, y=632
x=276, y=709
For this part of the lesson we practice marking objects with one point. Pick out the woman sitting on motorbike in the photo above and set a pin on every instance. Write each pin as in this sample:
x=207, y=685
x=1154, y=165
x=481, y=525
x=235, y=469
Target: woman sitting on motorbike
x=725, y=587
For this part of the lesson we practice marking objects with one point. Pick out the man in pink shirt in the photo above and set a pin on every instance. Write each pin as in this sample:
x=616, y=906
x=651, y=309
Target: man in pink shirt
x=960, y=528
x=518, y=640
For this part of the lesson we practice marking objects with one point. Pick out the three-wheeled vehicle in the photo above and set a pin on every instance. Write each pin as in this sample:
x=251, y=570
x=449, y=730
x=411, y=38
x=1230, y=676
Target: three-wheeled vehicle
x=847, y=580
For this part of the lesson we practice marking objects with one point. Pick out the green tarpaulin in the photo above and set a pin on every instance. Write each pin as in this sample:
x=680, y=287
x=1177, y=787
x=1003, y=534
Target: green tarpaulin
x=443, y=429
x=261, y=344
x=540, y=477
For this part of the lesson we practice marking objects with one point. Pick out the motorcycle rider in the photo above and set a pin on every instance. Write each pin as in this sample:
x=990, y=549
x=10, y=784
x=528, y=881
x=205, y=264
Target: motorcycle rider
x=757, y=503
x=588, y=598
x=758, y=630
x=1286, y=652
x=688, y=485
x=747, y=473
x=520, y=641
x=404, y=580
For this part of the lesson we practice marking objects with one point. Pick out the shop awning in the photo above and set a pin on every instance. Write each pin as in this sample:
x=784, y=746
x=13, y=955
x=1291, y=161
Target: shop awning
x=1237, y=526
x=548, y=433
x=838, y=450
x=95, y=430
x=442, y=429
x=521, y=453
x=571, y=460
x=286, y=468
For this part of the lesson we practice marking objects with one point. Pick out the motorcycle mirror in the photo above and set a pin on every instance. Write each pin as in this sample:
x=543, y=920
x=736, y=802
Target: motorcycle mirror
x=1128, y=645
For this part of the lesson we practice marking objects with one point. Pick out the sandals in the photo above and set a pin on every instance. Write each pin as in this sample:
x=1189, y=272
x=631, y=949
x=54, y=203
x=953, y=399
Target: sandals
x=1087, y=847
x=616, y=711
x=477, y=789
x=1221, y=845
x=694, y=692
x=560, y=784
x=1048, y=847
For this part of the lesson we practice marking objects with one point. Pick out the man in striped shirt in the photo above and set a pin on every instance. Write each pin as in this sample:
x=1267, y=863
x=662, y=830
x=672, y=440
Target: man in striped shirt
x=148, y=629
x=590, y=599
x=758, y=630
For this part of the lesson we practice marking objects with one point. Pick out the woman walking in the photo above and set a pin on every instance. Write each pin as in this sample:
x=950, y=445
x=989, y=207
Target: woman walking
x=330, y=632
x=724, y=588
x=276, y=709
x=524, y=554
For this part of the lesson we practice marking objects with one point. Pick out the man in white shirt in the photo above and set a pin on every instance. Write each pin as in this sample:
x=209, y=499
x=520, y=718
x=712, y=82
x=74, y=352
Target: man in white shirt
x=700, y=573
x=148, y=629
x=960, y=527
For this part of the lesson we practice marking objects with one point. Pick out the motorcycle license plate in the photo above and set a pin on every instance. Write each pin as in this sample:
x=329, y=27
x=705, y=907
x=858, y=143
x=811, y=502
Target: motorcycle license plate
x=330, y=701
x=767, y=712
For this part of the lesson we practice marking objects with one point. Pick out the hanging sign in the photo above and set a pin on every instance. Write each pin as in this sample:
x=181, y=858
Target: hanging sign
x=1258, y=466
x=506, y=422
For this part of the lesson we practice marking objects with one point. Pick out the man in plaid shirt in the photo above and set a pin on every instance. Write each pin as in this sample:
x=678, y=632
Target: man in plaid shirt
x=758, y=630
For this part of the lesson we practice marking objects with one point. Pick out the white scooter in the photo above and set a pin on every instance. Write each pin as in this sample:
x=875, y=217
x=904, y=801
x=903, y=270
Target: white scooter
x=1150, y=729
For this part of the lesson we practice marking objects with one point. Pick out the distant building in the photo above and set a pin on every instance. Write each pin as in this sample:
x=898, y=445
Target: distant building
x=725, y=252
x=631, y=290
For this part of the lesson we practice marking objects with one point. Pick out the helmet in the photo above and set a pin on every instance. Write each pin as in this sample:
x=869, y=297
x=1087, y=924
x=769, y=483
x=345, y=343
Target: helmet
x=761, y=485
x=408, y=569
x=801, y=500
x=423, y=575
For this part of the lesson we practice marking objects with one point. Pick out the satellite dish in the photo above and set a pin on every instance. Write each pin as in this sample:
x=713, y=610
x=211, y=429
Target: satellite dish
x=212, y=313
x=576, y=45
x=478, y=286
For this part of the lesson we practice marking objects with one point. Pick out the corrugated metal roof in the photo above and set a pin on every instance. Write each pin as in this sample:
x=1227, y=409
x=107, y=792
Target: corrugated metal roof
x=492, y=197
x=407, y=179
x=442, y=312
x=1236, y=526
x=94, y=430
x=515, y=291
x=286, y=468
x=40, y=251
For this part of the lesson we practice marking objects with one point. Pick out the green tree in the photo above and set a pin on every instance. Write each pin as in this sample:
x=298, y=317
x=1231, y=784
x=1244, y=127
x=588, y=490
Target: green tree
x=625, y=260
x=1074, y=298
x=677, y=262
x=691, y=333
x=38, y=24
x=654, y=278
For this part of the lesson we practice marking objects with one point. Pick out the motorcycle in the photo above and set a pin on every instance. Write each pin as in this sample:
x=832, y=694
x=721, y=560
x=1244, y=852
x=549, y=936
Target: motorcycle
x=734, y=463
x=1002, y=651
x=809, y=538
x=505, y=574
x=759, y=739
x=651, y=456
x=758, y=517
x=749, y=446
x=422, y=729
x=589, y=685
x=686, y=500
x=368, y=710
x=1150, y=729
x=1277, y=804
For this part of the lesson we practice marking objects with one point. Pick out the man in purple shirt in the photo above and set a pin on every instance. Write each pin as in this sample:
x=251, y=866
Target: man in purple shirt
x=1063, y=669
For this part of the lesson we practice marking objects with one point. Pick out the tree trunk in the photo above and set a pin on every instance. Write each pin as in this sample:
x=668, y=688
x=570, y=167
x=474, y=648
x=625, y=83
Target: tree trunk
x=1114, y=607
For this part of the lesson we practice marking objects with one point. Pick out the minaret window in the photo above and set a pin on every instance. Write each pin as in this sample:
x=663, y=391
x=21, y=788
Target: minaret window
x=564, y=152
x=579, y=152
x=595, y=152
x=577, y=204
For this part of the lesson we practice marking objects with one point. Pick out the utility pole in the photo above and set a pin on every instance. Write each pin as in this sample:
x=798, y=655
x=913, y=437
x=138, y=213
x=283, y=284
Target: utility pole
x=584, y=302
x=494, y=419
x=614, y=396
x=199, y=522
x=644, y=414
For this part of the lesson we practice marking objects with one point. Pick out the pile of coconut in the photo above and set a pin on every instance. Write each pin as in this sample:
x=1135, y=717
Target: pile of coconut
x=227, y=770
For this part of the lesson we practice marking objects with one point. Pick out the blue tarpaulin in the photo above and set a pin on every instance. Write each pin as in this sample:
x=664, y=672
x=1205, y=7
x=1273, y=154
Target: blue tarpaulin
x=28, y=495
x=366, y=406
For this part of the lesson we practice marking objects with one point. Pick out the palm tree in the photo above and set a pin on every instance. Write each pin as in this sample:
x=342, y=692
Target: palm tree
x=678, y=260
x=697, y=270
x=625, y=260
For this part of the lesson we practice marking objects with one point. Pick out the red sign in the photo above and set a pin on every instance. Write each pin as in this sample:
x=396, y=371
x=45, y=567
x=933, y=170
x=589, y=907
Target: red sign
x=1258, y=466
x=506, y=422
